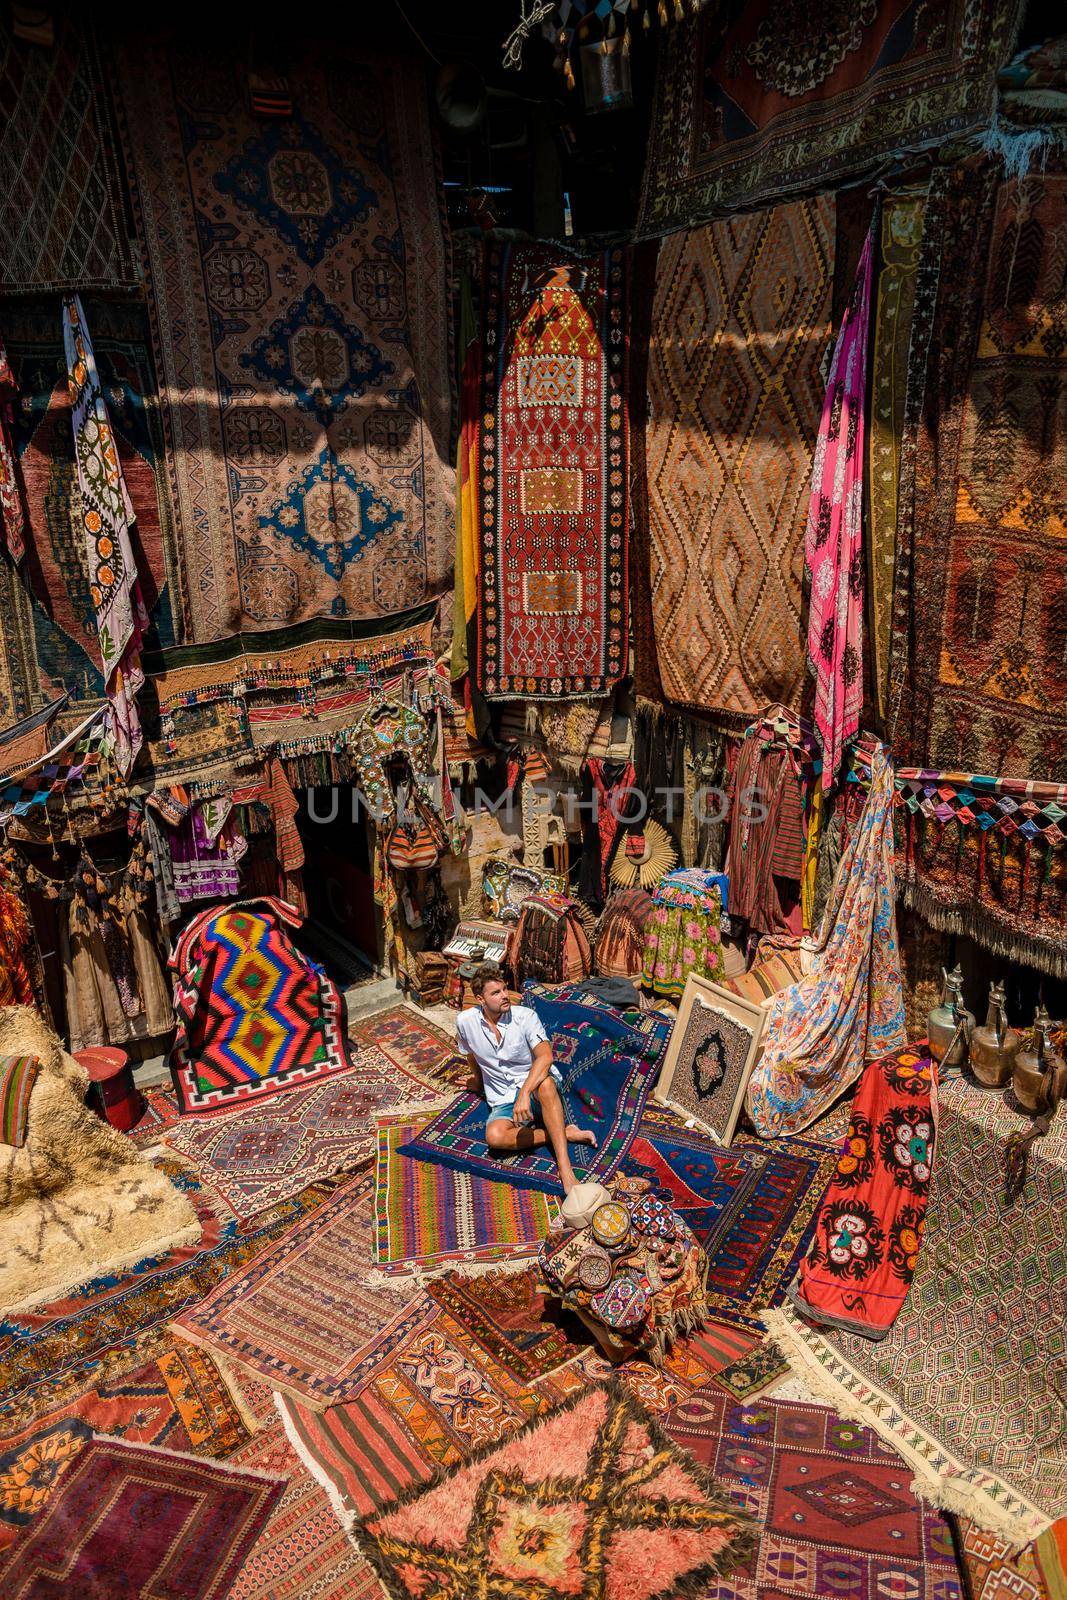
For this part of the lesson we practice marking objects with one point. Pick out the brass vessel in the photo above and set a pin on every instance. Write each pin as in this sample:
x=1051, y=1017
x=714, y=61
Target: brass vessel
x=1039, y=1078
x=950, y=1024
x=995, y=1045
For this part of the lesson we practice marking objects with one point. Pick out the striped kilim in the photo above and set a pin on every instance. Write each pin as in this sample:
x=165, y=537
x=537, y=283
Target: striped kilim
x=18, y=1074
x=255, y=1014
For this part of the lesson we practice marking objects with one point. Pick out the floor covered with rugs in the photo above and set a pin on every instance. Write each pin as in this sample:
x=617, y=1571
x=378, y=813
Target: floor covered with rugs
x=533, y=802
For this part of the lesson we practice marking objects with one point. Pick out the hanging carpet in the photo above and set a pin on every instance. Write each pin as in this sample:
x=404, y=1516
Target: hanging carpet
x=770, y=99
x=553, y=473
x=255, y=1015
x=304, y=369
x=740, y=326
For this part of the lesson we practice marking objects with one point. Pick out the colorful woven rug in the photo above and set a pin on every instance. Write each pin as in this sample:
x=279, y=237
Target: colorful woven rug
x=267, y=1151
x=255, y=1015
x=729, y=460
x=61, y=211
x=312, y=1313
x=836, y=1512
x=195, y=1522
x=870, y=1225
x=966, y=1384
x=428, y=1217
x=989, y=694
x=303, y=368
x=18, y=1074
x=303, y=1553
x=553, y=473
x=769, y=101
x=996, y=1571
x=755, y=1372
x=52, y=1354
x=435, y=1401
x=179, y=1400
x=410, y=1040
x=591, y=1499
x=48, y=617
x=753, y=1207
x=507, y=1315
x=608, y=1062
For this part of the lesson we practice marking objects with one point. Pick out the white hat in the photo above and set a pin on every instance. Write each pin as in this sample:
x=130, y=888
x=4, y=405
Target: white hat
x=578, y=1207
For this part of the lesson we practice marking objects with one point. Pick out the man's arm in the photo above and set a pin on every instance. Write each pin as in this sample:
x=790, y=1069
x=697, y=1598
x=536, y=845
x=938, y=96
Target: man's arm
x=540, y=1067
x=474, y=1084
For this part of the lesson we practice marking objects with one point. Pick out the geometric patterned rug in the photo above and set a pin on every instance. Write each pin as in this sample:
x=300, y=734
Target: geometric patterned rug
x=268, y=1150
x=179, y=1400
x=590, y=1500
x=311, y=1314
x=140, y=1523
x=412, y=1042
x=836, y=1513
x=505, y=1314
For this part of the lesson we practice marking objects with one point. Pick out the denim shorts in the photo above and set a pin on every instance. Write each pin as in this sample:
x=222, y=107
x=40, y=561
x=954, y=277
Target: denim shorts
x=506, y=1112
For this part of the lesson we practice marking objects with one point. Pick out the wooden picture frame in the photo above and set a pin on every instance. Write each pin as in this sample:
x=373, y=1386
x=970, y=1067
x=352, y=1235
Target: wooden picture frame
x=713, y=1049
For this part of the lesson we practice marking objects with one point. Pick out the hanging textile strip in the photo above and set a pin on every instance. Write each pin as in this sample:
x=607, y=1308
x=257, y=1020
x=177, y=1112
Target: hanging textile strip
x=833, y=540
x=12, y=516
x=300, y=657
x=870, y=1226
x=850, y=1007
x=66, y=768
x=466, y=578
x=105, y=515
x=553, y=462
x=611, y=803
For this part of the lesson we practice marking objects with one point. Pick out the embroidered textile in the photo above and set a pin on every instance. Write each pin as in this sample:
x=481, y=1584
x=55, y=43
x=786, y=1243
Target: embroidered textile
x=682, y=935
x=553, y=473
x=899, y=240
x=18, y=1074
x=12, y=515
x=579, y=1492
x=311, y=1315
x=439, y=1397
x=255, y=1015
x=271, y=1149
x=870, y=1228
x=752, y=1209
x=754, y=1373
x=195, y=1522
x=608, y=1064
x=427, y=1217
x=833, y=540
x=967, y=1382
x=756, y=105
x=849, y=1008
x=204, y=868
x=61, y=215
x=104, y=514
x=729, y=458
x=302, y=366
x=835, y=1507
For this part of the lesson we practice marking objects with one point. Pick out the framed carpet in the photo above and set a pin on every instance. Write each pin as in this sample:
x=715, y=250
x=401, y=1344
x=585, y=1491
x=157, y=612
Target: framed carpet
x=428, y=1217
x=753, y=105
x=713, y=1048
x=608, y=1062
x=298, y=275
x=588, y=1493
x=835, y=1509
x=436, y=1399
x=753, y=1207
x=266, y=1152
x=553, y=473
x=312, y=1314
x=728, y=463
x=195, y=1522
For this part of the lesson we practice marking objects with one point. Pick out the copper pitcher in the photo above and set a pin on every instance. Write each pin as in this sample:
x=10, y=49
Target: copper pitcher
x=950, y=1025
x=995, y=1045
x=1039, y=1078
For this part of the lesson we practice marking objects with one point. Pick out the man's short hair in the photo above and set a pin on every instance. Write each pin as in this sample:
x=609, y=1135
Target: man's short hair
x=486, y=972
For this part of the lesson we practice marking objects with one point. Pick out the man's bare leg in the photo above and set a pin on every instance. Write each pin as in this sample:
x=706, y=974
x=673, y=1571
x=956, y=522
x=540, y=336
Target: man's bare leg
x=507, y=1136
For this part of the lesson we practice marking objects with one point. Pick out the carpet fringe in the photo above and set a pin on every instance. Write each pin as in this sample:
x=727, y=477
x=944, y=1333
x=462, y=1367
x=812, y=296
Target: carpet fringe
x=948, y=1492
x=420, y=1273
x=347, y=1519
x=1026, y=949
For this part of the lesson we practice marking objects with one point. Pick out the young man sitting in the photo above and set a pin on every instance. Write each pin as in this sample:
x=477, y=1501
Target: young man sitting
x=511, y=1064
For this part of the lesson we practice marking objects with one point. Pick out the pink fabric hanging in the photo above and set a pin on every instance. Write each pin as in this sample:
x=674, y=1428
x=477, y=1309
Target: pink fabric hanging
x=12, y=516
x=833, y=540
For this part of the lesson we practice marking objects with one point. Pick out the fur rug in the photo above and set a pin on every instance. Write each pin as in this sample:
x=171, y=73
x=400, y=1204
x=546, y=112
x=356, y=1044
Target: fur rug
x=78, y=1199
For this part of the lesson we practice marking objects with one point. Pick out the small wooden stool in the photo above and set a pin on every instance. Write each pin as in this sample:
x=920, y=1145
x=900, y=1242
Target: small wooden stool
x=112, y=1093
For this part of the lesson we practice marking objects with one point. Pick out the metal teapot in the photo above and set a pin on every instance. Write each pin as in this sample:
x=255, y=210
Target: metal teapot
x=1039, y=1078
x=950, y=1025
x=995, y=1045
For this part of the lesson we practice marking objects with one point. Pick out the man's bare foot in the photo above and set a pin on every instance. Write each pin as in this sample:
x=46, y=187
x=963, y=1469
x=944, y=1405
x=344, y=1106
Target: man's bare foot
x=576, y=1135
